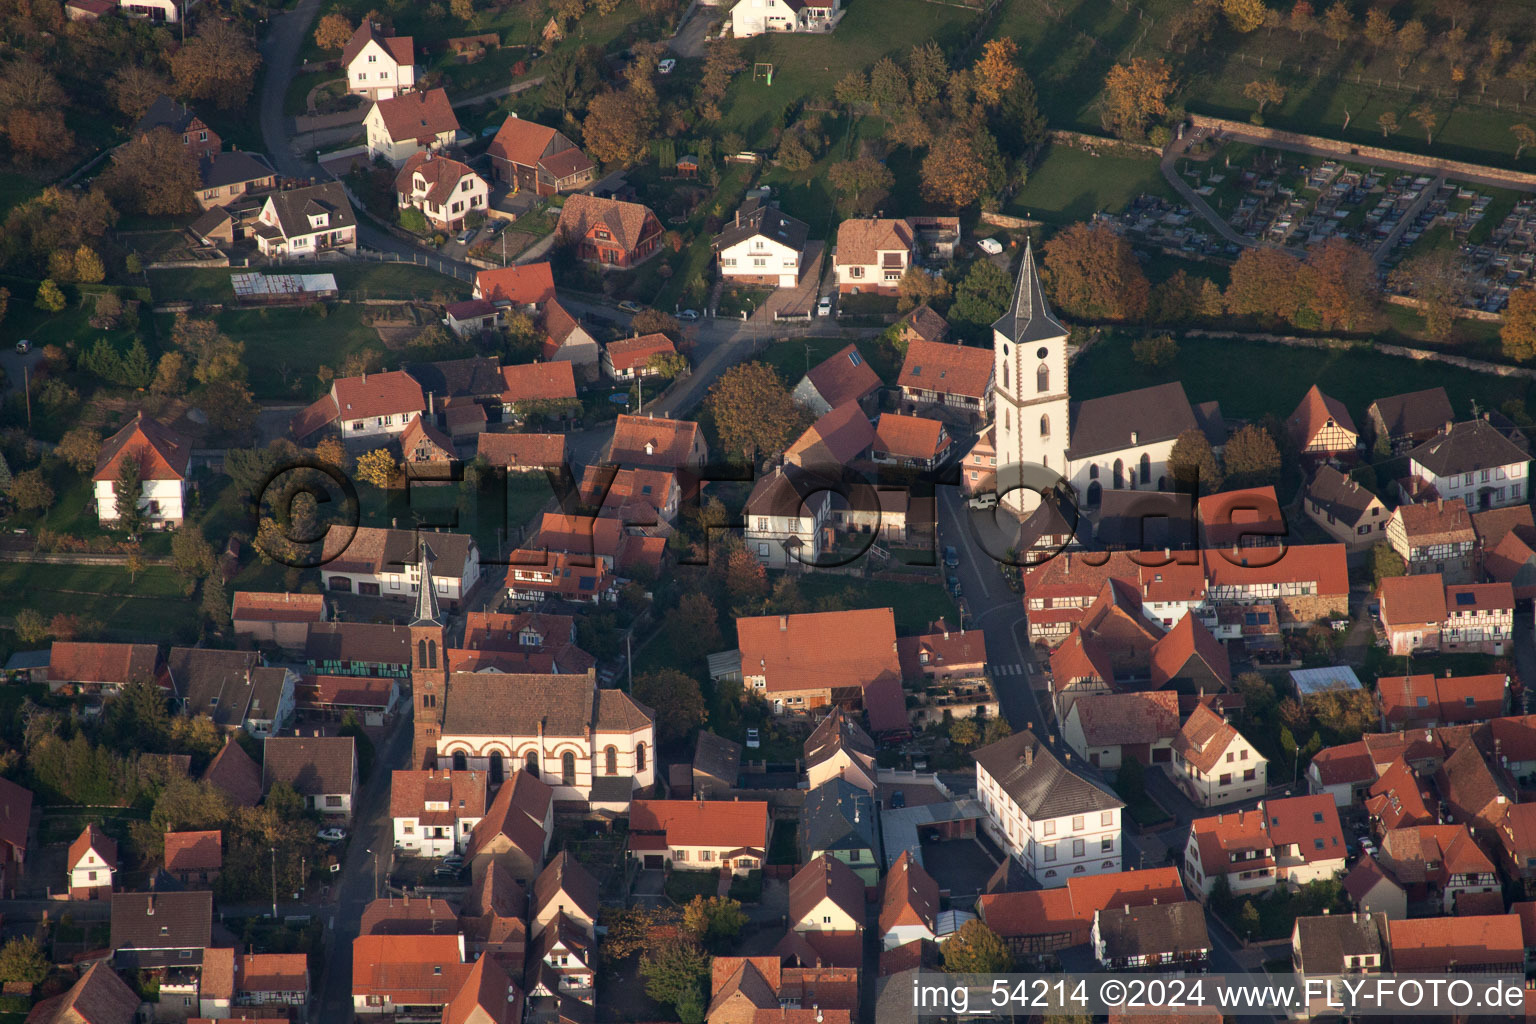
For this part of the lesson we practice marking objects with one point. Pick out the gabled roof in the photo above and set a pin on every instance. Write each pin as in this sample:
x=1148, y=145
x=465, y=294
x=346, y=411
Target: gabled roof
x=1466, y=447
x=214, y=683
x=1339, y=495
x=295, y=206
x=716, y=757
x=634, y=353
x=525, y=284
x=844, y=376
x=861, y=240
x=1104, y=425
x=378, y=394
x=227, y=168
x=1316, y=412
x=463, y=792
x=839, y=732
x=1309, y=823
x=272, y=972
x=517, y=813
x=1323, y=942
x=626, y=222
x=521, y=450
x=925, y=323
x=93, y=839
x=413, y=970
x=1495, y=524
x=909, y=895
x=538, y=382
x=1151, y=930
x=825, y=878
x=233, y=773
x=15, y=814
x=427, y=915
x=1186, y=640
x=488, y=995
x=258, y=606
x=1365, y=876
x=439, y=174
x=670, y=442
x=1028, y=317
x=312, y=765
x=165, y=113
x=1119, y=719
x=757, y=218
x=1446, y=700
x=194, y=851
x=1219, y=836
x=837, y=438
x=958, y=648
x=1397, y=800
x=161, y=920
x=1436, y=522
x=1412, y=600
x=417, y=115
x=564, y=877
x=99, y=997
x=421, y=440
x=72, y=661
x=1433, y=944
x=734, y=824
x=1043, y=787
x=1204, y=737
x=162, y=454
x=1469, y=785
x=1513, y=561
x=837, y=815
x=912, y=437
x=401, y=48
x=1414, y=413
x=1228, y=516
x=524, y=142
x=950, y=369
x=819, y=649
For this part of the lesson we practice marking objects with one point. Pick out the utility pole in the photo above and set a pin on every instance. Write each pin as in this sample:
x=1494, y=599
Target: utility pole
x=629, y=659
x=26, y=387
x=274, y=883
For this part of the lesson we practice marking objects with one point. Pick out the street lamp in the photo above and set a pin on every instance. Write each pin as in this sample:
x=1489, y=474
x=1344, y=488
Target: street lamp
x=375, y=856
x=274, y=883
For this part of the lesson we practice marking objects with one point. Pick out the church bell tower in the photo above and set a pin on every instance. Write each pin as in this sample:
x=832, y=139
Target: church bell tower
x=429, y=673
x=1029, y=388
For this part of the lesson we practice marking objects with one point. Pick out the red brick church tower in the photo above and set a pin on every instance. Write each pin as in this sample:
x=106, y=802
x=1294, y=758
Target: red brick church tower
x=429, y=676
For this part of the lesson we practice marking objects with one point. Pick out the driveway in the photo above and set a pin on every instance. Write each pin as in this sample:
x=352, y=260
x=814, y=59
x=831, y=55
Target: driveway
x=689, y=40
x=13, y=363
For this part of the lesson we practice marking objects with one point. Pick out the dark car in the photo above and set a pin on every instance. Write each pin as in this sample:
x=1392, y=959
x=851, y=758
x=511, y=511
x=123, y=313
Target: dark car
x=951, y=557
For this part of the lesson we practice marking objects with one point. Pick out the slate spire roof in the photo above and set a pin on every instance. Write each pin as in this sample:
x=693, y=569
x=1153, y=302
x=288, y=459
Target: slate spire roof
x=427, y=611
x=1029, y=316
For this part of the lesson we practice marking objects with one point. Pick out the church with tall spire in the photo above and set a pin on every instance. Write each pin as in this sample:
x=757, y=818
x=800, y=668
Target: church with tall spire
x=1118, y=442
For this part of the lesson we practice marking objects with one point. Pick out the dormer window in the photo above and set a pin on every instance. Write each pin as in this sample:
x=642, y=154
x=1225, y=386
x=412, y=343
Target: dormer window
x=319, y=220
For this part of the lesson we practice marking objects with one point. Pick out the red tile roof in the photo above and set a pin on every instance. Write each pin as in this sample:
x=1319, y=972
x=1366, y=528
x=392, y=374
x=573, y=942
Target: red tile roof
x=75, y=662
x=947, y=369
x=628, y=223
x=256, y=606
x=92, y=838
x=1397, y=799
x=1226, y=517
x=440, y=174
x=845, y=376
x=517, y=451
x=522, y=141
x=488, y=995
x=1188, y=639
x=321, y=691
x=728, y=824
x=911, y=437
x=162, y=453
x=1346, y=763
x=272, y=972
x=312, y=417
x=1479, y=597
x=415, y=970
x=1412, y=600
x=1320, y=564
x=538, y=382
x=1437, y=944
x=819, y=649
x=1513, y=561
x=1314, y=413
x=194, y=851
x=1119, y=719
x=825, y=878
x=634, y=353
x=1426, y=697
x=670, y=442
x=1204, y=737
x=836, y=438
x=527, y=284
x=942, y=652
x=860, y=240
x=1304, y=822
x=1220, y=836
x=909, y=895
x=418, y=116
x=464, y=793
x=402, y=48
x=1437, y=522
x=1071, y=910
x=378, y=394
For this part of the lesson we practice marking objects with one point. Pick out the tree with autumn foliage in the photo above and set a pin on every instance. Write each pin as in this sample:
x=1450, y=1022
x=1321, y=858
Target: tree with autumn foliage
x=217, y=64
x=1265, y=283
x=154, y=174
x=1303, y=19
x=1338, y=23
x=1438, y=280
x=1244, y=15
x=1093, y=273
x=962, y=165
x=745, y=578
x=1339, y=281
x=677, y=700
x=134, y=88
x=619, y=126
x=36, y=135
x=1264, y=91
x=1135, y=95
x=333, y=32
x=1252, y=458
x=1518, y=335
x=863, y=181
x=1192, y=463
x=995, y=71
x=754, y=412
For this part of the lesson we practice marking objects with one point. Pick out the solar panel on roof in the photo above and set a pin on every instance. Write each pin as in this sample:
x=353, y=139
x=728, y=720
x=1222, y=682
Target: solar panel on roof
x=1466, y=598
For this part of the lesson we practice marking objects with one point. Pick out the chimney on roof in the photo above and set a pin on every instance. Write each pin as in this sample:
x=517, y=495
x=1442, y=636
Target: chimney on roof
x=783, y=623
x=431, y=403
x=1325, y=911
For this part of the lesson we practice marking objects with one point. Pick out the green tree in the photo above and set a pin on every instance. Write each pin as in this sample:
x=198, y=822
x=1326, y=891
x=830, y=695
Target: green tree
x=981, y=297
x=1155, y=352
x=22, y=960
x=976, y=949
x=1249, y=919
x=713, y=921
x=49, y=298
x=88, y=268
x=964, y=732
x=79, y=447
x=215, y=606
x=1385, y=562
x=31, y=627
x=128, y=491
x=675, y=972
x=1252, y=457
x=30, y=491
x=1193, y=463
x=192, y=555
x=677, y=700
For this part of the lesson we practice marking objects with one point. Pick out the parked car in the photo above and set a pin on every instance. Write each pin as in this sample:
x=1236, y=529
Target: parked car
x=898, y=799
x=983, y=501
x=447, y=872
x=454, y=861
x=824, y=307
x=489, y=130
x=951, y=557
x=332, y=835
x=630, y=306
x=466, y=235
x=666, y=66
x=754, y=739
x=990, y=246
x=23, y=346
x=688, y=314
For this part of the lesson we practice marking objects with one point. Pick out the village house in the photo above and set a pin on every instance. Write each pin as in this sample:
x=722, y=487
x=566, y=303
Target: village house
x=99, y=997
x=1214, y=763
x=179, y=119
x=1046, y=920
x=839, y=748
x=526, y=155
x=1483, y=944
x=629, y=358
x=277, y=619
x=302, y=223
x=1350, y=514
x=1373, y=891
x=845, y=376
x=836, y=441
x=1321, y=427
x=164, y=936
x=162, y=457
x=565, y=340
x=1170, y=936
x=232, y=689
x=92, y=864
x=513, y=836
x=426, y=450
x=435, y=811
x=1236, y=847
x=563, y=887
x=697, y=835
x=408, y=123
x=761, y=246
x=1400, y=422
x=610, y=232
x=372, y=405
x=800, y=663
x=1471, y=461
x=522, y=453
x=1475, y=790
x=444, y=190
x=1248, y=517
x=1329, y=948
x=756, y=17
x=379, y=562
x=525, y=286
x=194, y=858
x=374, y=649
x=944, y=655
x=838, y=821
x=1106, y=729
x=826, y=896
x=379, y=67
x=1398, y=799
x=321, y=769
x=1056, y=823
x=909, y=441
x=233, y=773
x=1420, y=614
x=1438, y=862
x=226, y=177
x=103, y=668
x=872, y=255
x=1435, y=537
x=1412, y=611
x=413, y=975
x=271, y=979
x=909, y=904
x=921, y=323
x=1425, y=701
x=638, y=497
x=786, y=518
x=978, y=467
x=537, y=388
x=562, y=965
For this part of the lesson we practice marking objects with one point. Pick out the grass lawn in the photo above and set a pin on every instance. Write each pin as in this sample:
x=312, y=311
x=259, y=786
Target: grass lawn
x=63, y=824
x=295, y=99
x=915, y=604
x=809, y=65
x=683, y=886
x=1209, y=369
x=793, y=359
x=15, y=189
x=1071, y=184
x=488, y=515
x=356, y=280
x=291, y=344
x=149, y=608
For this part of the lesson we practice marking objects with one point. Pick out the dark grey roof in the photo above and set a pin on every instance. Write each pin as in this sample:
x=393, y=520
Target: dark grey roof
x=1212, y=424
x=790, y=491
x=755, y=218
x=1041, y=785
x=717, y=758
x=1149, y=931
x=612, y=789
x=1323, y=942
x=294, y=207
x=220, y=169
x=1029, y=315
x=312, y=765
x=1146, y=520
x=150, y=928
x=1414, y=413
x=211, y=220
x=165, y=113
x=837, y=816
x=1047, y=520
x=1340, y=496
x=1101, y=425
x=475, y=377
x=1466, y=447
x=838, y=731
x=213, y=683
x=371, y=642
x=427, y=611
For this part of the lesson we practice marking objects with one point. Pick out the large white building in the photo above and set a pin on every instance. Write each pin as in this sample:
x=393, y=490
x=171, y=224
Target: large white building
x=162, y=456
x=1056, y=823
x=435, y=811
x=379, y=66
x=1471, y=461
x=761, y=246
x=755, y=17
x=1119, y=442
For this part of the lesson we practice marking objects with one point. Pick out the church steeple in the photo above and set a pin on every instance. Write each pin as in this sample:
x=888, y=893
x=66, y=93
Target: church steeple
x=1029, y=315
x=427, y=611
